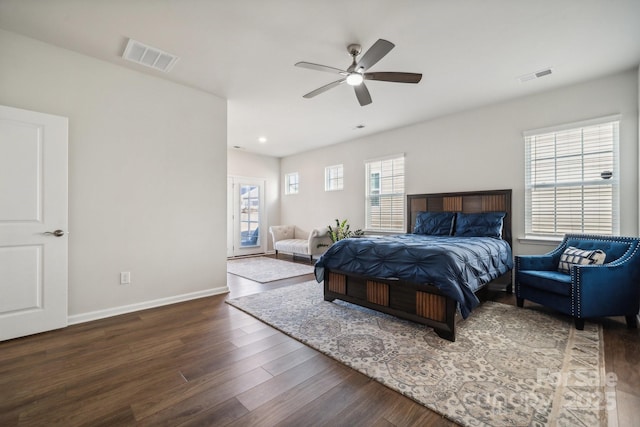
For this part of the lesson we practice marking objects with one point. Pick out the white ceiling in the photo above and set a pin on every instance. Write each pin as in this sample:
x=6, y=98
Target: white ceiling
x=470, y=52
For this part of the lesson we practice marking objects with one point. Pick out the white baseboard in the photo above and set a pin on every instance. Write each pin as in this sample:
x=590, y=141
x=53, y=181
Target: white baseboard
x=115, y=311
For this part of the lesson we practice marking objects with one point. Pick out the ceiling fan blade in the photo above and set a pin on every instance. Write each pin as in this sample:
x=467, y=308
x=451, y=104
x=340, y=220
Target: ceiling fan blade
x=394, y=77
x=362, y=93
x=324, y=88
x=374, y=54
x=318, y=67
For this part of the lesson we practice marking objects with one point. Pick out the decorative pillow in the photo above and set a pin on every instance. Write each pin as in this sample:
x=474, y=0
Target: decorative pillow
x=574, y=256
x=486, y=224
x=434, y=223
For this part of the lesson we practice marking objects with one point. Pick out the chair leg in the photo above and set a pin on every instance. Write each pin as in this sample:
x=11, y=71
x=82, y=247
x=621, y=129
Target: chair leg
x=520, y=302
x=632, y=321
x=579, y=324
x=276, y=254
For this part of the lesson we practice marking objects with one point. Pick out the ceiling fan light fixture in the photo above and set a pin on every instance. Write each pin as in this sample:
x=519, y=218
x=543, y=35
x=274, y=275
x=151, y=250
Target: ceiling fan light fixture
x=358, y=71
x=355, y=79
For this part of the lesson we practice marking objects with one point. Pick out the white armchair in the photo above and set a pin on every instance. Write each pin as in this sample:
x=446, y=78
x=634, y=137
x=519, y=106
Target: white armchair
x=291, y=239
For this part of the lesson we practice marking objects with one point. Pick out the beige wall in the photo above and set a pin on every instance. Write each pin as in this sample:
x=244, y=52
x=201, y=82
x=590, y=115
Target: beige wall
x=249, y=165
x=471, y=150
x=147, y=176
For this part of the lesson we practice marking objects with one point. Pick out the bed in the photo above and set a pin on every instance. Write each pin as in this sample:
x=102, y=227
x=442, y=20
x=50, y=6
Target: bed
x=432, y=276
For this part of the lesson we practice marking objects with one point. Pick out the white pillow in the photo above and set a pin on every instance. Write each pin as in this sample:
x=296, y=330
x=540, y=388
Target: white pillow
x=574, y=256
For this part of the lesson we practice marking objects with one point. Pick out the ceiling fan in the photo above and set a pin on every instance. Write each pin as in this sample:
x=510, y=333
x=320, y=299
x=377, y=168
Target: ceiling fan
x=356, y=74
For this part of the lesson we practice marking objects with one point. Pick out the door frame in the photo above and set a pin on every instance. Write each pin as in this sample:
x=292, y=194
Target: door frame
x=234, y=248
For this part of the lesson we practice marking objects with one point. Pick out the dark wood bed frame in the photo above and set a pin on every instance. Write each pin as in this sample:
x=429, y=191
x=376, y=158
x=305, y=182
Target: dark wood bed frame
x=422, y=303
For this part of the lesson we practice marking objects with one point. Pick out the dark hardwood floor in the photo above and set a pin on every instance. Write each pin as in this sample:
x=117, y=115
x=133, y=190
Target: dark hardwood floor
x=204, y=362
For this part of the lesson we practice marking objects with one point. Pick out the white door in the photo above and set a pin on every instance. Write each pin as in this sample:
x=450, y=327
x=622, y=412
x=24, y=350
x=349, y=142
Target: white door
x=33, y=222
x=246, y=228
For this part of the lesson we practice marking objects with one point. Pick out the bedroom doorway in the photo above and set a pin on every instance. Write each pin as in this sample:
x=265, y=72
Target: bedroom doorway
x=246, y=234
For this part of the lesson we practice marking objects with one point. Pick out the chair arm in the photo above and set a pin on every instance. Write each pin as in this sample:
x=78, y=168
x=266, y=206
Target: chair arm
x=609, y=289
x=319, y=240
x=537, y=262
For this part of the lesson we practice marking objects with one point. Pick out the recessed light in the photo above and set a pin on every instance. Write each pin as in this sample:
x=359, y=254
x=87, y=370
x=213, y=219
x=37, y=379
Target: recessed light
x=262, y=140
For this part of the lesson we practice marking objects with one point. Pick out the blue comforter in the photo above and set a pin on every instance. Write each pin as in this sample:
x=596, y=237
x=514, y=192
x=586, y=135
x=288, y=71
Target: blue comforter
x=457, y=266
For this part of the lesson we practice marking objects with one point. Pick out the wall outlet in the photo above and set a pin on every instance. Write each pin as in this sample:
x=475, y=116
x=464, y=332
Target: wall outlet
x=125, y=277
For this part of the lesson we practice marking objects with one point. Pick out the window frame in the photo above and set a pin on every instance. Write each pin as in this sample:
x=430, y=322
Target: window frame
x=334, y=183
x=559, y=213
x=291, y=187
x=391, y=189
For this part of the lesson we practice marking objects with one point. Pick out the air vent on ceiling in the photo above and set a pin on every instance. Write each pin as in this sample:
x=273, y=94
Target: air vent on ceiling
x=536, y=75
x=149, y=56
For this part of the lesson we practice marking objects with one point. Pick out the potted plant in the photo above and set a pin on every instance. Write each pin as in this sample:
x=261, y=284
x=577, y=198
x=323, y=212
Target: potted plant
x=342, y=231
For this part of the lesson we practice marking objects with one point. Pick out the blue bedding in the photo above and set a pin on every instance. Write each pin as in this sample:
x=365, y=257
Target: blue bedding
x=457, y=266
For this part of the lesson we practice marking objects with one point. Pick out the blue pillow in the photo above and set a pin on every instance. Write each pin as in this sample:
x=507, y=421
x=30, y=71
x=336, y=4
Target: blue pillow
x=486, y=224
x=434, y=223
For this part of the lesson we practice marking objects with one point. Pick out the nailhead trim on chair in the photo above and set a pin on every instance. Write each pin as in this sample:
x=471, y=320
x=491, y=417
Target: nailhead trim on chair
x=575, y=294
x=627, y=258
x=517, y=281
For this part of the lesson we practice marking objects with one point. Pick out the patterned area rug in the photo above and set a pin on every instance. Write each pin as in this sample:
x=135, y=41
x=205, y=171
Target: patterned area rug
x=262, y=269
x=508, y=366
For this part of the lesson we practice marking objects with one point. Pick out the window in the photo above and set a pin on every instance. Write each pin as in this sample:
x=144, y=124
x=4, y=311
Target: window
x=333, y=178
x=385, y=198
x=291, y=183
x=571, y=179
x=374, y=188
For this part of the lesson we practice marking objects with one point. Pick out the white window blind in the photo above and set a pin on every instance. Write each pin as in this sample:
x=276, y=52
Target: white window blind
x=385, y=197
x=291, y=183
x=333, y=178
x=571, y=179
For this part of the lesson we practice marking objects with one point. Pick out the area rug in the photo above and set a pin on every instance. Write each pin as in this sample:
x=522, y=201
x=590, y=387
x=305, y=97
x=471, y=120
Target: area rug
x=508, y=366
x=263, y=269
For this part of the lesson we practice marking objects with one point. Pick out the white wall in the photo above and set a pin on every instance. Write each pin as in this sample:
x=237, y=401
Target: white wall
x=472, y=150
x=249, y=165
x=147, y=175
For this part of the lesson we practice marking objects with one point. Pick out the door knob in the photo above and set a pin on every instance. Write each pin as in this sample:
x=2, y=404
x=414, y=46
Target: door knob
x=57, y=233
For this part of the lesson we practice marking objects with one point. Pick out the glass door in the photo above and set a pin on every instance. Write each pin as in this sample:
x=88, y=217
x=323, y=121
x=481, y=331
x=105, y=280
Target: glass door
x=247, y=217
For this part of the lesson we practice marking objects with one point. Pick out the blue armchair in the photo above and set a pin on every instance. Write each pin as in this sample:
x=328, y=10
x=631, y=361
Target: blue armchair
x=609, y=289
